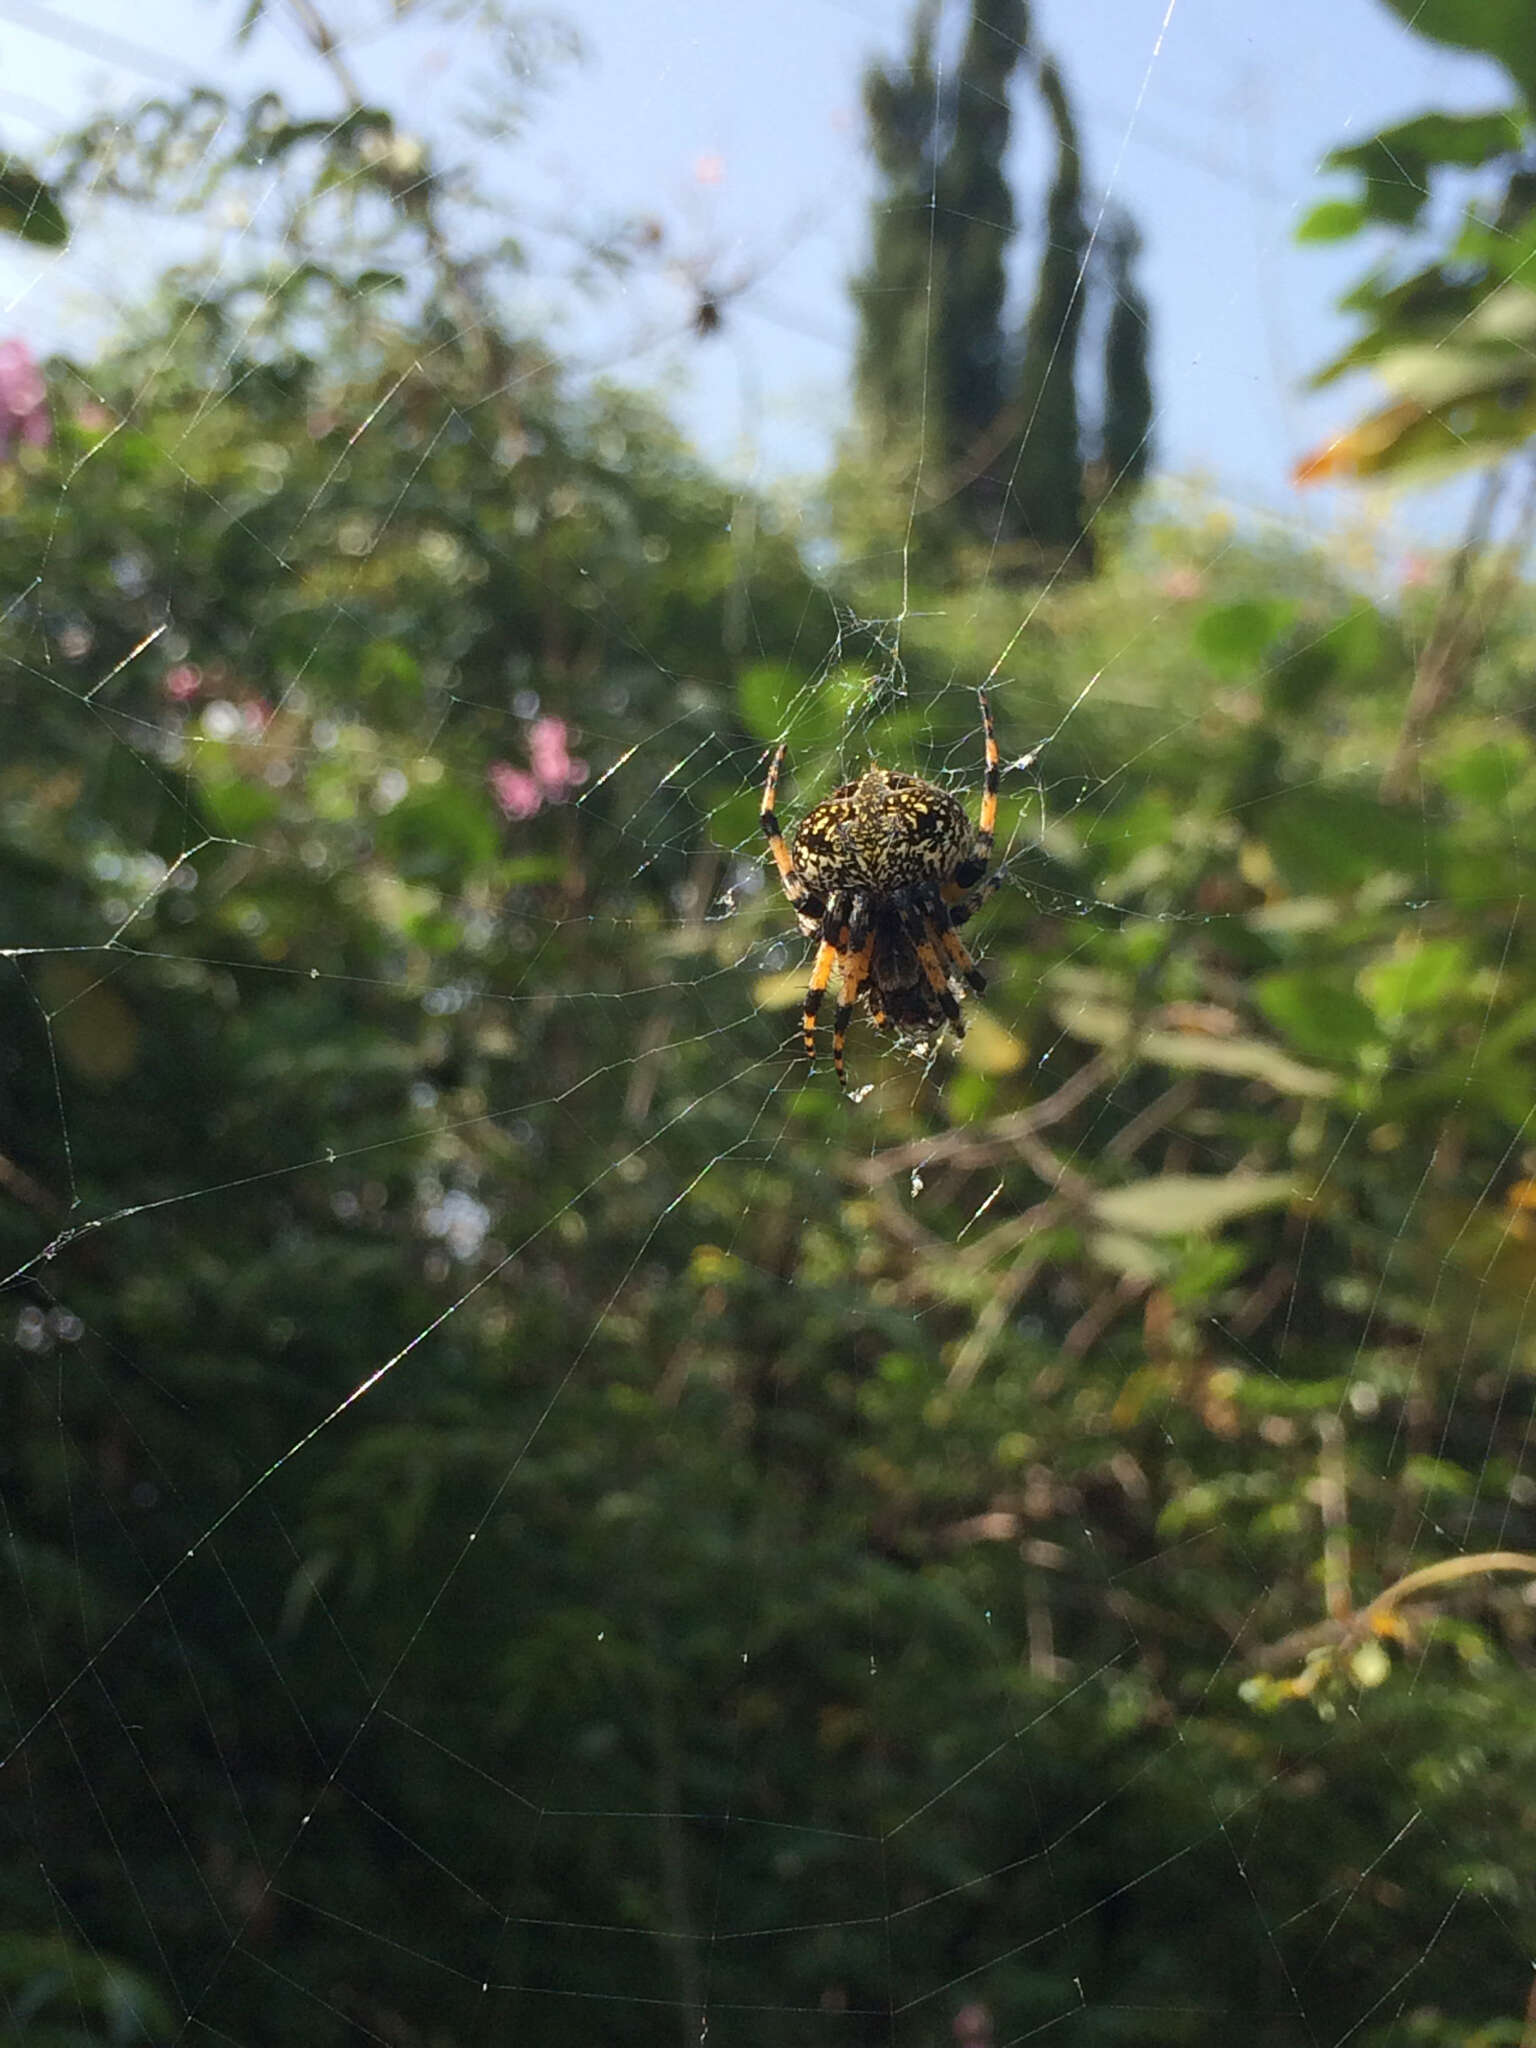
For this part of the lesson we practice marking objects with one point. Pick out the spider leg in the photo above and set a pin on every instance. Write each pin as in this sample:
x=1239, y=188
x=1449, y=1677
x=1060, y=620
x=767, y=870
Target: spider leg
x=855, y=966
x=832, y=950
x=794, y=885
x=954, y=949
x=921, y=931
x=821, y=974
x=834, y=924
x=941, y=925
x=962, y=908
x=971, y=870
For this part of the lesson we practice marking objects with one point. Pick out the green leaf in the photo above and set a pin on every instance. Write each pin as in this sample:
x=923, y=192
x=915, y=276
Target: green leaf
x=438, y=833
x=1394, y=189
x=777, y=704
x=1317, y=1012
x=734, y=821
x=1406, y=441
x=236, y=805
x=1427, y=306
x=1438, y=1475
x=1109, y=1023
x=1333, y=220
x=1486, y=773
x=1395, y=166
x=1234, y=637
x=768, y=693
x=30, y=208
x=1465, y=140
x=1421, y=979
x=1358, y=643
x=1338, y=838
x=1500, y=29
x=1346, y=652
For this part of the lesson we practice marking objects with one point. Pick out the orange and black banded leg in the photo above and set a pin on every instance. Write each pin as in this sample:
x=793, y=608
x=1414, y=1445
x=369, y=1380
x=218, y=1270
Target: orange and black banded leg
x=920, y=931
x=962, y=906
x=784, y=860
x=940, y=923
x=821, y=974
x=855, y=964
x=954, y=950
x=971, y=871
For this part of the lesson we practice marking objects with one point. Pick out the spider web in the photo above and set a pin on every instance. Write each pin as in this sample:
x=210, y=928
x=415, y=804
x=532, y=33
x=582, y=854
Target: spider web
x=530, y=1516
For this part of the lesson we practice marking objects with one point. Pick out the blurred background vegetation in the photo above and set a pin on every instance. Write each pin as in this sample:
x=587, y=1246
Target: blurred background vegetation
x=530, y=1518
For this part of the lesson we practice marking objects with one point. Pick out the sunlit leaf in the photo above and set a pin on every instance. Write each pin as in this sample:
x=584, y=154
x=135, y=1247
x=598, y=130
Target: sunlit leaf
x=988, y=1046
x=779, y=991
x=1170, y=1204
x=1333, y=220
x=1426, y=975
x=1111, y=1025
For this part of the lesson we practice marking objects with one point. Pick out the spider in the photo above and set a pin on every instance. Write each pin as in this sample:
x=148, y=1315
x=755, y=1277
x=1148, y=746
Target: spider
x=883, y=871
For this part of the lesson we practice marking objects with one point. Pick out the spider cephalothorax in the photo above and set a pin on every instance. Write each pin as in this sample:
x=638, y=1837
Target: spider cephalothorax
x=882, y=872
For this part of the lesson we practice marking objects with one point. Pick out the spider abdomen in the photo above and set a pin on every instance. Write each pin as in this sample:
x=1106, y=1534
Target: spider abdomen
x=898, y=994
x=883, y=833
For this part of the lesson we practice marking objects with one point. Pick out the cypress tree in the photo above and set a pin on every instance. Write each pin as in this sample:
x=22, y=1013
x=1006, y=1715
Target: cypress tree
x=973, y=226
x=930, y=371
x=1047, y=481
x=990, y=423
x=1127, y=433
x=890, y=369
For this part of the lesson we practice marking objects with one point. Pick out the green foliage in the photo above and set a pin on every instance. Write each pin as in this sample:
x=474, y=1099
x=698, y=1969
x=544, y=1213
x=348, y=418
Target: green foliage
x=29, y=207
x=796, y=1488
x=1500, y=29
x=58, y=1994
x=1446, y=324
x=967, y=347
x=528, y=1516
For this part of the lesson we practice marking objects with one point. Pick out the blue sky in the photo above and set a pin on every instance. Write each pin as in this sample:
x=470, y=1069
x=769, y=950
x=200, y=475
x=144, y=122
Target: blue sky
x=737, y=128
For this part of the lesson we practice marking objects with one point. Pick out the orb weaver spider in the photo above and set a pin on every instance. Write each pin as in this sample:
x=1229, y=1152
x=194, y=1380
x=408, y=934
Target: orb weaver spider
x=883, y=872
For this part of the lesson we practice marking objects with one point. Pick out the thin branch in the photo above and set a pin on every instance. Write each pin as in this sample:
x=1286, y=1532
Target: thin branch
x=1001, y=1140
x=1344, y=1634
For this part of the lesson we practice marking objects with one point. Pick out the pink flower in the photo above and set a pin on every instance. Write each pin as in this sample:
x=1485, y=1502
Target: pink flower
x=973, y=2026
x=23, y=400
x=182, y=682
x=1418, y=570
x=552, y=763
x=1185, y=582
x=517, y=792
